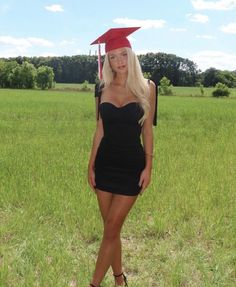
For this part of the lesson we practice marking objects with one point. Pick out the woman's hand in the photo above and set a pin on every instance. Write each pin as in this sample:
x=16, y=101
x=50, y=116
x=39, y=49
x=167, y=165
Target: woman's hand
x=145, y=179
x=91, y=178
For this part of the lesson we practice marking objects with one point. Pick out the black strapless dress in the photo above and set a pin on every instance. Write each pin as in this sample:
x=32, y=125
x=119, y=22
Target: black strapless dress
x=120, y=156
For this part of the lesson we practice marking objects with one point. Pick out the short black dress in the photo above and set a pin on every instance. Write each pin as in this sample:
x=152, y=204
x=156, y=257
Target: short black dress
x=120, y=156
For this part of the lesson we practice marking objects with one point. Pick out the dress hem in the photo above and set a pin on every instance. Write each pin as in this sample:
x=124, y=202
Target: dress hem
x=116, y=192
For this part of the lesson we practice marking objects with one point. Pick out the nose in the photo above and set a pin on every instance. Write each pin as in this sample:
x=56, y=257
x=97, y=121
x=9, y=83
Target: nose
x=119, y=59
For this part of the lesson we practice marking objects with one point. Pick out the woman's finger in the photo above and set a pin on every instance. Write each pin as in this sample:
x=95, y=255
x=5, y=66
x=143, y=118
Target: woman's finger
x=141, y=180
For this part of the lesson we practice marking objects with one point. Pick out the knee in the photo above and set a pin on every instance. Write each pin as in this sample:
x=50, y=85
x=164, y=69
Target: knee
x=111, y=230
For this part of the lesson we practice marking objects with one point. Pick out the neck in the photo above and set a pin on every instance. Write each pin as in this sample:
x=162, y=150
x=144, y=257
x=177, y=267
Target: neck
x=120, y=80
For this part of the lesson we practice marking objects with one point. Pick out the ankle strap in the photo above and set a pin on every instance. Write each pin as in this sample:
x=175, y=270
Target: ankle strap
x=118, y=275
x=124, y=277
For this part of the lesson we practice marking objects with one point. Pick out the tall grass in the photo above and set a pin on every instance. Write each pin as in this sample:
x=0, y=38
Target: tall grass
x=181, y=232
x=196, y=92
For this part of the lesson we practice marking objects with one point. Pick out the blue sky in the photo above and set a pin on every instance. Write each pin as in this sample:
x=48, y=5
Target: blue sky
x=202, y=31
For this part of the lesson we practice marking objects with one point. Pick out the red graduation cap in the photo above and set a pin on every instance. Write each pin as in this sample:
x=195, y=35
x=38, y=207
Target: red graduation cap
x=114, y=38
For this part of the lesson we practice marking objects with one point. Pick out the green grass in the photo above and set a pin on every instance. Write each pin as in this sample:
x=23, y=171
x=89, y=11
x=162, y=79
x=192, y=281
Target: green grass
x=71, y=87
x=177, y=91
x=181, y=232
x=195, y=92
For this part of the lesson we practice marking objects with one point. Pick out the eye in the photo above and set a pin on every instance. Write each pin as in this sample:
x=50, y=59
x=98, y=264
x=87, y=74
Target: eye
x=112, y=57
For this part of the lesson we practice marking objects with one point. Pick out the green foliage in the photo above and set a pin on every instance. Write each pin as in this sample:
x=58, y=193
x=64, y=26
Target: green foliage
x=6, y=69
x=45, y=77
x=2, y=66
x=201, y=89
x=165, y=87
x=28, y=75
x=15, y=77
x=147, y=75
x=77, y=69
x=229, y=78
x=180, y=71
x=213, y=76
x=25, y=75
x=22, y=76
x=221, y=90
x=85, y=87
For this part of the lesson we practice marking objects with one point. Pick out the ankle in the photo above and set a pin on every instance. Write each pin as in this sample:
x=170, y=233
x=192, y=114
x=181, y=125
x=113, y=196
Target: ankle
x=120, y=279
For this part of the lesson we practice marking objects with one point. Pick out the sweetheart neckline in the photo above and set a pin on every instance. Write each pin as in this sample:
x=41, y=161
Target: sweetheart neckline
x=120, y=106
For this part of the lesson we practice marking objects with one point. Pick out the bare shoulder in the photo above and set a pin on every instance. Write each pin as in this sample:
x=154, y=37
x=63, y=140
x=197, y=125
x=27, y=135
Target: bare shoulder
x=152, y=85
x=152, y=88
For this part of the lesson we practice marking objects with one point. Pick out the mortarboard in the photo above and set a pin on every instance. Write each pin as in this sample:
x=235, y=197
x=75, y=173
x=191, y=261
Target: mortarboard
x=114, y=38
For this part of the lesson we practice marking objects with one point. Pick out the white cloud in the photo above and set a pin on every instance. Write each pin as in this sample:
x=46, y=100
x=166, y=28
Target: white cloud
x=199, y=18
x=20, y=46
x=230, y=28
x=66, y=43
x=25, y=42
x=39, y=42
x=217, y=59
x=178, y=29
x=208, y=37
x=21, y=42
x=54, y=8
x=214, y=5
x=145, y=51
x=144, y=24
x=13, y=52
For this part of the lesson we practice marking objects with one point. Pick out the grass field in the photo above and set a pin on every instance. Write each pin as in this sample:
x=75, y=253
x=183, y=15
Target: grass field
x=181, y=232
x=177, y=91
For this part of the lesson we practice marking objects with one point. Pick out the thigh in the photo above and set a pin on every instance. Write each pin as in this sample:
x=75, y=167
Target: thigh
x=119, y=209
x=104, y=201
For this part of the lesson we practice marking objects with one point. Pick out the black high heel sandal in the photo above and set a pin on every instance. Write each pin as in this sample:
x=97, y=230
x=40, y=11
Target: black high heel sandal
x=124, y=277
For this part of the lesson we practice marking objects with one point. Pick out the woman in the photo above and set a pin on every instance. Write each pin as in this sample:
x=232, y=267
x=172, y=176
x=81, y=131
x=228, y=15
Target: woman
x=120, y=166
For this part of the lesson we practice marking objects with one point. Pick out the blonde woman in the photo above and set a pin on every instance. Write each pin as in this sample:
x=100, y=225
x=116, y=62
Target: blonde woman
x=120, y=164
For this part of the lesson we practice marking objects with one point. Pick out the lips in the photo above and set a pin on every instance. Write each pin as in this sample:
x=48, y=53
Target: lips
x=121, y=67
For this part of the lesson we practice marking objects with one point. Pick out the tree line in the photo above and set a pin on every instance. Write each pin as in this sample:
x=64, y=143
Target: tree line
x=25, y=75
x=81, y=68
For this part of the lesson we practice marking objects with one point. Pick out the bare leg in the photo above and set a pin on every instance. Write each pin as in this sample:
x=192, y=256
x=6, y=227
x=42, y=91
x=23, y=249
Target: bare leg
x=119, y=208
x=104, y=201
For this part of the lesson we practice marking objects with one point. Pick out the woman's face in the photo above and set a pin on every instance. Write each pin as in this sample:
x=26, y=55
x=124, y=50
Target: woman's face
x=118, y=60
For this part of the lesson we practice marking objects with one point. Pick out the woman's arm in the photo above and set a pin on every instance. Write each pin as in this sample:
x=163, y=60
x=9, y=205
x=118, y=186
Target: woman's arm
x=147, y=138
x=96, y=141
x=147, y=130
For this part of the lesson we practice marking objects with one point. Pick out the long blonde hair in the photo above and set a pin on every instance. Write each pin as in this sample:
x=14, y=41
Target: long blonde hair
x=136, y=83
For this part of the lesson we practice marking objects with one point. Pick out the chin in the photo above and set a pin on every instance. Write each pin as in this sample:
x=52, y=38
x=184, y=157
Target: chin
x=125, y=71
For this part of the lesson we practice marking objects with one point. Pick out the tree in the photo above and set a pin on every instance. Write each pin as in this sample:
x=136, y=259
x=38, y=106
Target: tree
x=45, y=77
x=228, y=78
x=5, y=73
x=28, y=75
x=16, y=77
x=2, y=67
x=213, y=76
x=165, y=86
x=181, y=72
x=201, y=90
x=221, y=90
